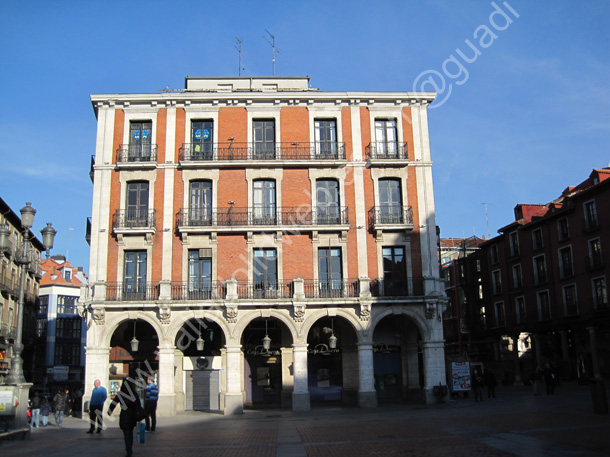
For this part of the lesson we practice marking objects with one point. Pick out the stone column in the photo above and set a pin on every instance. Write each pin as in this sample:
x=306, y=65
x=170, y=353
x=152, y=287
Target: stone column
x=96, y=367
x=518, y=378
x=300, y=394
x=234, y=402
x=287, y=378
x=434, y=368
x=179, y=380
x=367, y=395
x=167, y=394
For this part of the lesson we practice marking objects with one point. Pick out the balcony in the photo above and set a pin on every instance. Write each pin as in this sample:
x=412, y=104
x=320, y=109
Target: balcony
x=8, y=282
x=333, y=288
x=590, y=224
x=391, y=218
x=227, y=219
x=207, y=290
x=132, y=292
x=384, y=152
x=136, y=155
x=134, y=221
x=200, y=154
x=595, y=261
x=35, y=268
x=264, y=290
x=407, y=287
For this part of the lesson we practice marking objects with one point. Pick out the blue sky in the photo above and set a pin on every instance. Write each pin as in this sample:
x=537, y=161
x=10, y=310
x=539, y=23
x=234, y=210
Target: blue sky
x=525, y=119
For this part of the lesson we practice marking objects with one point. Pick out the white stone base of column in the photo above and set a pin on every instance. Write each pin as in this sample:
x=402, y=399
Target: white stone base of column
x=166, y=406
x=301, y=401
x=22, y=392
x=367, y=399
x=234, y=404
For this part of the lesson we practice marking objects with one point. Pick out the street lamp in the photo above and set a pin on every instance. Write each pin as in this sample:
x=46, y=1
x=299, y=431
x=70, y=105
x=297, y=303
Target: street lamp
x=23, y=258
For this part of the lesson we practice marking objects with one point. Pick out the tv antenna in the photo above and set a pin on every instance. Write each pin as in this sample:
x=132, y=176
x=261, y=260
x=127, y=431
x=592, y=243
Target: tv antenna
x=238, y=47
x=272, y=44
x=487, y=218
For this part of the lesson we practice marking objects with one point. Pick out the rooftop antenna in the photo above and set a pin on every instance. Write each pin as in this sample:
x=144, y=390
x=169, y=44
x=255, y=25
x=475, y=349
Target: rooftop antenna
x=487, y=219
x=272, y=44
x=238, y=47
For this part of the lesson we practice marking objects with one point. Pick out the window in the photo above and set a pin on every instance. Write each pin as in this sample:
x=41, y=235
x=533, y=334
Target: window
x=595, y=254
x=385, y=134
x=513, y=239
x=600, y=294
x=537, y=239
x=539, y=270
x=1, y=313
x=264, y=202
x=67, y=354
x=394, y=271
x=563, y=229
x=517, y=278
x=520, y=313
x=328, y=204
x=10, y=318
x=41, y=328
x=591, y=222
x=200, y=274
x=264, y=139
x=137, y=204
x=483, y=317
x=202, y=137
x=67, y=304
x=496, y=281
x=68, y=328
x=326, y=137
x=68, y=275
x=200, y=202
x=390, y=201
x=140, y=140
x=565, y=262
x=493, y=253
x=570, y=301
x=500, y=316
x=544, y=306
x=330, y=272
x=134, y=279
x=43, y=307
x=265, y=273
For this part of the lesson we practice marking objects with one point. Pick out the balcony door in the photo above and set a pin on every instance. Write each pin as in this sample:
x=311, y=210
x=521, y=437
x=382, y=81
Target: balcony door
x=326, y=137
x=264, y=202
x=390, y=201
x=202, y=137
x=200, y=275
x=265, y=273
x=394, y=271
x=200, y=202
x=134, y=275
x=385, y=134
x=264, y=139
x=140, y=140
x=330, y=272
x=328, y=204
x=137, y=204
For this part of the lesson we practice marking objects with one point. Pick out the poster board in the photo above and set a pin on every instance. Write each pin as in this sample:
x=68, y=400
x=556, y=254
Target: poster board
x=460, y=376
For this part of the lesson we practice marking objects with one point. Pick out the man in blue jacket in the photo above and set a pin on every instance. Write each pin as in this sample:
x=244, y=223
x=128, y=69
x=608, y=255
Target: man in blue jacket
x=150, y=405
x=96, y=405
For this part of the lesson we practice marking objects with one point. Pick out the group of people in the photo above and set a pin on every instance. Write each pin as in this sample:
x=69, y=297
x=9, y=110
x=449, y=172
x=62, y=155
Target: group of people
x=548, y=376
x=129, y=400
x=481, y=380
x=62, y=404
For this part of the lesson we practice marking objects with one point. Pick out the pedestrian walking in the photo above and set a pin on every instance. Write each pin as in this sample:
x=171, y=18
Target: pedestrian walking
x=45, y=410
x=477, y=385
x=129, y=400
x=59, y=404
x=69, y=403
x=150, y=405
x=550, y=379
x=35, y=407
x=490, y=382
x=96, y=407
x=536, y=380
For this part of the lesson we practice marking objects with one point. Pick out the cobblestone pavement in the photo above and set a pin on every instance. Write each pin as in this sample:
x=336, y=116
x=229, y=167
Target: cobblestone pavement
x=514, y=424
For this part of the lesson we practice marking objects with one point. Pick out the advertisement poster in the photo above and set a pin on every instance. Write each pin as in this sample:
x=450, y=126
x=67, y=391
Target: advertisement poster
x=460, y=376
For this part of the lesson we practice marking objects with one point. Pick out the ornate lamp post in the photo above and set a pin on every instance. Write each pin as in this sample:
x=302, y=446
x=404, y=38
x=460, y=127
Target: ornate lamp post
x=23, y=258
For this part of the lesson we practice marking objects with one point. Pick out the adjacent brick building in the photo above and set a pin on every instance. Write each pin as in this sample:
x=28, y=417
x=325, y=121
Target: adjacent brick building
x=265, y=244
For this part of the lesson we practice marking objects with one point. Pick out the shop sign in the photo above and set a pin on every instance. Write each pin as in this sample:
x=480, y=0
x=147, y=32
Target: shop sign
x=323, y=349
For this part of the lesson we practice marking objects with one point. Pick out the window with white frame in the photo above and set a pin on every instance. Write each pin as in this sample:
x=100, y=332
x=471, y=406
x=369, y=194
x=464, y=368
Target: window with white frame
x=325, y=131
x=591, y=222
x=493, y=253
x=544, y=305
x=67, y=304
x=264, y=138
x=595, y=254
x=570, y=301
x=513, y=241
x=202, y=137
x=264, y=201
x=496, y=281
x=600, y=294
x=500, y=314
x=43, y=307
x=386, y=140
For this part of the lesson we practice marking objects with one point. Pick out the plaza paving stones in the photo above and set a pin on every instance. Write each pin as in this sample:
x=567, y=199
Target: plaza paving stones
x=516, y=423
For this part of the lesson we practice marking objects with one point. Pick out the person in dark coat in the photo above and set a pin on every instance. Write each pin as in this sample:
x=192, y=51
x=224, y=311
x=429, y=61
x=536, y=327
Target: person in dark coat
x=490, y=382
x=128, y=398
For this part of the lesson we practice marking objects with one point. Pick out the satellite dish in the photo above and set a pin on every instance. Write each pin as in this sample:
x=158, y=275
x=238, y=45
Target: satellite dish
x=202, y=363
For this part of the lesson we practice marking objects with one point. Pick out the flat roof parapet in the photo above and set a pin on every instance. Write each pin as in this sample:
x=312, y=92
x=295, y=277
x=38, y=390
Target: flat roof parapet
x=252, y=84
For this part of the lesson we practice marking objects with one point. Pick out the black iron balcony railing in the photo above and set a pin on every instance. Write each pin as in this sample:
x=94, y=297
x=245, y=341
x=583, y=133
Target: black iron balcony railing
x=407, y=287
x=332, y=288
x=203, y=290
x=264, y=290
x=262, y=151
x=256, y=216
x=390, y=215
x=131, y=153
x=8, y=281
x=386, y=150
x=595, y=261
x=132, y=292
x=133, y=219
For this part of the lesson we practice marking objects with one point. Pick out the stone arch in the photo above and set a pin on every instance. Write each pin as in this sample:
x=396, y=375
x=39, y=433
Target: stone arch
x=415, y=315
x=180, y=319
x=113, y=322
x=249, y=316
x=321, y=313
